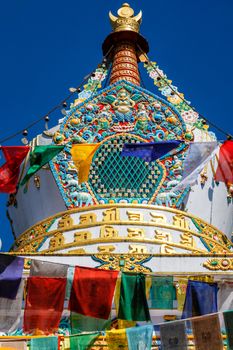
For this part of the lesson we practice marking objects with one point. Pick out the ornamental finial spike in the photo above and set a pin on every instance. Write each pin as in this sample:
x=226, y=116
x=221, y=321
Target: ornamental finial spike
x=126, y=19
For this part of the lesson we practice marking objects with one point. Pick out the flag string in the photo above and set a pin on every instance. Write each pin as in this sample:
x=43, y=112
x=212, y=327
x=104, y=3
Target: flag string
x=229, y=136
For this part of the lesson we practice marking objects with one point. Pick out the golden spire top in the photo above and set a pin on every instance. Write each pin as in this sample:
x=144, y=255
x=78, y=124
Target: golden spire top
x=126, y=19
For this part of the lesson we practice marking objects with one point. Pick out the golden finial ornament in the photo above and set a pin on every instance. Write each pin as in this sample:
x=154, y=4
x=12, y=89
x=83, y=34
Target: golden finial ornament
x=126, y=19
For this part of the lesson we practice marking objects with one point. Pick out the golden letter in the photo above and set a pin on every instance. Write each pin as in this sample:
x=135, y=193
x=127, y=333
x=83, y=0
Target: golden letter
x=108, y=232
x=180, y=221
x=106, y=248
x=112, y=214
x=82, y=236
x=158, y=218
x=65, y=222
x=57, y=240
x=163, y=236
x=135, y=232
x=137, y=249
x=187, y=240
x=89, y=218
x=166, y=249
x=134, y=216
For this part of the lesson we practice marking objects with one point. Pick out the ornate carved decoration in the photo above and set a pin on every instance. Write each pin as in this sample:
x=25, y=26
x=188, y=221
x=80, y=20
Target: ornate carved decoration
x=123, y=262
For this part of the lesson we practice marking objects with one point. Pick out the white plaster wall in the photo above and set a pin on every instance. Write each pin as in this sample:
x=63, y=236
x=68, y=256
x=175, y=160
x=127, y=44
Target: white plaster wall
x=36, y=204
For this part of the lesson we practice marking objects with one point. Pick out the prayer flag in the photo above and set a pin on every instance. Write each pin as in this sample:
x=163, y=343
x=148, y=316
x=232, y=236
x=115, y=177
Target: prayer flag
x=228, y=319
x=9, y=171
x=13, y=344
x=199, y=154
x=133, y=304
x=140, y=337
x=83, y=341
x=47, y=269
x=116, y=339
x=225, y=296
x=80, y=323
x=201, y=299
x=162, y=292
x=173, y=336
x=207, y=333
x=92, y=292
x=10, y=311
x=44, y=304
x=50, y=343
x=181, y=287
x=11, y=270
x=224, y=170
x=82, y=155
x=40, y=156
x=149, y=151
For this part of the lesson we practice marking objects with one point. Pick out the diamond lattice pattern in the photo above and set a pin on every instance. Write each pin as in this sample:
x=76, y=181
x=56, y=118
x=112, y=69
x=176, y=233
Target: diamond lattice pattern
x=117, y=177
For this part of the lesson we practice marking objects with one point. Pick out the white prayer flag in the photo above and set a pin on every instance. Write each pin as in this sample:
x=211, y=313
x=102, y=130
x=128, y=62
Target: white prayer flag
x=199, y=154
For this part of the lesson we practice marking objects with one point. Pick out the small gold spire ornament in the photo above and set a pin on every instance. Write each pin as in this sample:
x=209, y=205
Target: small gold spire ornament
x=126, y=19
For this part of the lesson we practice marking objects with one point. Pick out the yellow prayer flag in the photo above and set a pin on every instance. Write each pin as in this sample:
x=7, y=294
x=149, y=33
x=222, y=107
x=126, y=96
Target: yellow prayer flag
x=116, y=339
x=82, y=155
x=181, y=293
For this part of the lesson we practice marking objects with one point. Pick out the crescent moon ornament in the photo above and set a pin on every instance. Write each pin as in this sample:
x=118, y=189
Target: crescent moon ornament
x=112, y=17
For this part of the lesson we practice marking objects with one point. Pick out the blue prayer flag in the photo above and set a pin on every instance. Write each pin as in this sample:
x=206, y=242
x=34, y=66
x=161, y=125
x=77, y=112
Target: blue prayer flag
x=149, y=151
x=11, y=270
x=201, y=299
x=140, y=337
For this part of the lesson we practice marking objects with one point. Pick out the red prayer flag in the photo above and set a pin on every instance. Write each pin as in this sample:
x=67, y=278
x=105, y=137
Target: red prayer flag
x=92, y=292
x=224, y=171
x=44, y=304
x=9, y=171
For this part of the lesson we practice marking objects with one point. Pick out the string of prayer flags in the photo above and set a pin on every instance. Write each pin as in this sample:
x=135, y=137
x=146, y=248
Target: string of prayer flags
x=162, y=292
x=82, y=155
x=181, y=287
x=225, y=296
x=149, y=151
x=44, y=304
x=80, y=323
x=173, y=336
x=133, y=304
x=9, y=171
x=83, y=341
x=228, y=319
x=89, y=287
x=11, y=270
x=13, y=345
x=140, y=337
x=40, y=156
x=10, y=311
x=50, y=343
x=199, y=154
x=224, y=170
x=201, y=299
x=207, y=333
x=47, y=269
x=117, y=339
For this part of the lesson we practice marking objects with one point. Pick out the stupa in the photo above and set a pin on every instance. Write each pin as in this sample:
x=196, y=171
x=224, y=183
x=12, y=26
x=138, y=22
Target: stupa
x=126, y=216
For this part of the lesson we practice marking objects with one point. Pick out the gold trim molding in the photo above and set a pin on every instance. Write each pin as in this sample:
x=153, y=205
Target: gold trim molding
x=33, y=238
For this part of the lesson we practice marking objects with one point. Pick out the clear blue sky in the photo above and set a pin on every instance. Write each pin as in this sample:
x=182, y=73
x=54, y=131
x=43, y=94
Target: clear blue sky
x=48, y=46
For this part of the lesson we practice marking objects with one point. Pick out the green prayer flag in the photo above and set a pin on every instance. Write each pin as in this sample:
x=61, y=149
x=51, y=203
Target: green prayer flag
x=40, y=156
x=133, y=304
x=82, y=341
x=228, y=319
x=45, y=343
x=81, y=323
x=162, y=292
